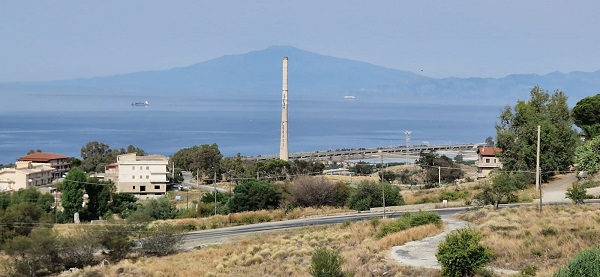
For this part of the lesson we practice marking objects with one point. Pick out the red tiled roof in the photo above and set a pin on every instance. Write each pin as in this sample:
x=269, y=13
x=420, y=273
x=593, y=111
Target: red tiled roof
x=112, y=165
x=42, y=157
x=488, y=151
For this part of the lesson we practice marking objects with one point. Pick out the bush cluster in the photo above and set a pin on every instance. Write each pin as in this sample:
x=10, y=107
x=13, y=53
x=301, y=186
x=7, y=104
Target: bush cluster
x=461, y=254
x=43, y=252
x=326, y=263
x=585, y=264
x=410, y=220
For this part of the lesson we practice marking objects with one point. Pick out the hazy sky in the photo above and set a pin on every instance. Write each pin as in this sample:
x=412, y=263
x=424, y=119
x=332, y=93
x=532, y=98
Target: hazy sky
x=46, y=40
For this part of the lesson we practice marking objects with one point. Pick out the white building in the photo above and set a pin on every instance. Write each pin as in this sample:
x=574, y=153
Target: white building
x=24, y=175
x=143, y=176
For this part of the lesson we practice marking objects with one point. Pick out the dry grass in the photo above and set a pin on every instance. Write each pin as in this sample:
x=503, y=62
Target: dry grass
x=286, y=253
x=522, y=236
x=351, y=179
x=464, y=192
x=219, y=221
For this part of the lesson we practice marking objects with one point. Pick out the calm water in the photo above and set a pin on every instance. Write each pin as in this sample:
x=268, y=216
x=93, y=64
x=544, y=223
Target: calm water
x=63, y=123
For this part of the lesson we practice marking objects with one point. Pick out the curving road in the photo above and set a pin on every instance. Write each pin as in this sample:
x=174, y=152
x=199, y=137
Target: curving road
x=196, y=238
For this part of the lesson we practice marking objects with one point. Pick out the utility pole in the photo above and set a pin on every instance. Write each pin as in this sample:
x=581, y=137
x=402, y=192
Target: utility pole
x=537, y=169
x=439, y=176
x=382, y=184
x=215, y=187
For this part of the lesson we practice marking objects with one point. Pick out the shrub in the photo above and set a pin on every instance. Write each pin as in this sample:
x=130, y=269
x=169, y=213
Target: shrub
x=115, y=239
x=34, y=255
x=307, y=191
x=409, y=220
x=155, y=209
x=373, y=192
x=586, y=263
x=162, y=239
x=461, y=253
x=326, y=263
x=577, y=194
x=77, y=249
x=254, y=195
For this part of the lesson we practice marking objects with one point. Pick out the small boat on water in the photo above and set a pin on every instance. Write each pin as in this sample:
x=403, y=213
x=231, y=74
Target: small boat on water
x=349, y=97
x=145, y=103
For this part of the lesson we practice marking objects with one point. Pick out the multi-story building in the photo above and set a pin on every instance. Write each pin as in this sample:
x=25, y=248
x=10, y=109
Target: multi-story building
x=60, y=163
x=26, y=174
x=143, y=176
x=487, y=161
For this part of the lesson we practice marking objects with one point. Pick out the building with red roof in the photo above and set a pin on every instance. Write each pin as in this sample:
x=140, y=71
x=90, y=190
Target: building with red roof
x=487, y=160
x=60, y=163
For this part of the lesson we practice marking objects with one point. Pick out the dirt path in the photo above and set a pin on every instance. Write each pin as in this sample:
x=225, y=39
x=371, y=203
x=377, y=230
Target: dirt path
x=422, y=253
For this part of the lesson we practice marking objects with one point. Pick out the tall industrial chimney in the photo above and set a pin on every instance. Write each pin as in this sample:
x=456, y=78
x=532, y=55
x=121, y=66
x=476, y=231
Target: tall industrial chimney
x=283, y=148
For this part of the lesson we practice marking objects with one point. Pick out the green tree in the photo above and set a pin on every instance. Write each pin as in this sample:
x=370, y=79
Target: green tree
x=274, y=169
x=387, y=175
x=502, y=188
x=326, y=263
x=517, y=134
x=461, y=253
x=94, y=154
x=362, y=168
x=254, y=195
x=369, y=194
x=20, y=219
x=33, y=196
x=72, y=191
x=206, y=158
x=588, y=156
x=123, y=204
x=439, y=167
x=587, y=115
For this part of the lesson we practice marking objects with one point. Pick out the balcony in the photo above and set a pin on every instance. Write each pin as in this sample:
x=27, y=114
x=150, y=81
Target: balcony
x=488, y=165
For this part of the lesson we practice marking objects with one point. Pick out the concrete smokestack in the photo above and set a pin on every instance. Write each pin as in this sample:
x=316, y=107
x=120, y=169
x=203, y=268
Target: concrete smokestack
x=283, y=148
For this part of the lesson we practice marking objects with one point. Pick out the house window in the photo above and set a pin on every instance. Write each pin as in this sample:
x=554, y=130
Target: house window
x=132, y=176
x=140, y=177
x=133, y=187
x=147, y=177
x=140, y=167
x=157, y=187
x=147, y=168
x=133, y=167
x=487, y=161
x=142, y=188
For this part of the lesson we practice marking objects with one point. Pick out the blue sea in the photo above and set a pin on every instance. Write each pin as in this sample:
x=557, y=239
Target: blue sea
x=64, y=122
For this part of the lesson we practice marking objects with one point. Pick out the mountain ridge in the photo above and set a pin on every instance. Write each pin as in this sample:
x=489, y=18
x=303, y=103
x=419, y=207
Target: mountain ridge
x=257, y=74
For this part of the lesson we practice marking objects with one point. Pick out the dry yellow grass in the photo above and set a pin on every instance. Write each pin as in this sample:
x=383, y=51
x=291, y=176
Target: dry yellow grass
x=286, y=253
x=522, y=236
x=218, y=221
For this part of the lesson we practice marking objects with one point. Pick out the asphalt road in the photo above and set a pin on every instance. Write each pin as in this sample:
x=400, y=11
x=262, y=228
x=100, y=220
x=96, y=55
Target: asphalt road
x=193, y=239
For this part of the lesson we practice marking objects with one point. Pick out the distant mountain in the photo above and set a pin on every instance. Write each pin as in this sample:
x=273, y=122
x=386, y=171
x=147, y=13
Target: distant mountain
x=257, y=75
